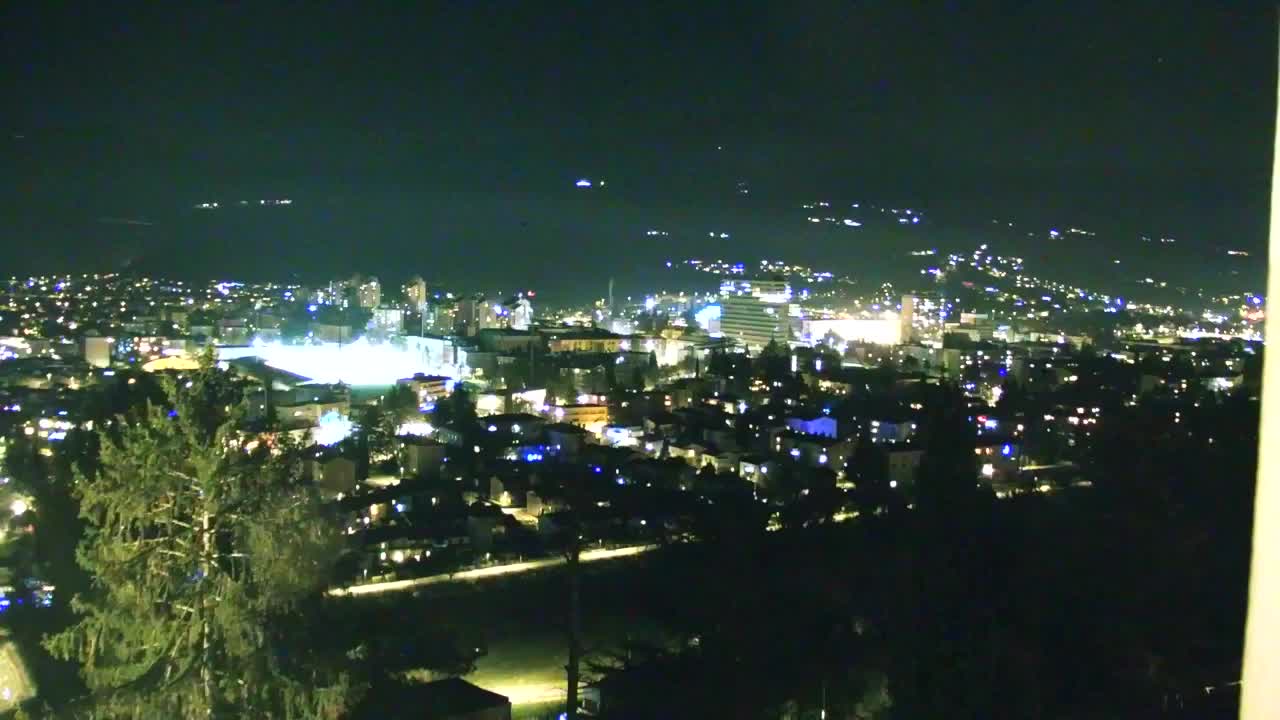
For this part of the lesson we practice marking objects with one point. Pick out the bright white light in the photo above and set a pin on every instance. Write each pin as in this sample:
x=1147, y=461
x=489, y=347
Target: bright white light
x=704, y=316
x=988, y=470
x=893, y=483
x=422, y=429
x=355, y=363
x=19, y=507
x=332, y=429
x=583, y=183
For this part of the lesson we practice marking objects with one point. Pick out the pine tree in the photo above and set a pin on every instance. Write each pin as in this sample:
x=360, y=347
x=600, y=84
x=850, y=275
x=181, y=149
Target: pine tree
x=202, y=542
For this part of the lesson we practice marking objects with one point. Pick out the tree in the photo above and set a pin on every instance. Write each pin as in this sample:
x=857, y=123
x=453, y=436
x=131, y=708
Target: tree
x=868, y=468
x=774, y=362
x=400, y=402
x=203, y=544
x=560, y=388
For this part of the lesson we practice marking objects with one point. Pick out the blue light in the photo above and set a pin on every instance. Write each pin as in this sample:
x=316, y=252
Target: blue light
x=532, y=457
x=583, y=183
x=704, y=316
x=1007, y=450
x=312, y=307
x=597, y=469
x=1004, y=371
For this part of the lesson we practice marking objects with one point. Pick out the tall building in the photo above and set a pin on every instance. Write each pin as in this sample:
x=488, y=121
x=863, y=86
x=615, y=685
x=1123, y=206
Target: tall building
x=475, y=313
x=415, y=293
x=923, y=318
x=369, y=293
x=754, y=312
x=440, y=316
x=519, y=313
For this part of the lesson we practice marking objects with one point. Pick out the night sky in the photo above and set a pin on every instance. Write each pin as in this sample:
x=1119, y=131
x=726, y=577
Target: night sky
x=447, y=141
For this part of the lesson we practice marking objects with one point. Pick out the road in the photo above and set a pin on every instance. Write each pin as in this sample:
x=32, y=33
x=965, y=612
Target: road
x=388, y=586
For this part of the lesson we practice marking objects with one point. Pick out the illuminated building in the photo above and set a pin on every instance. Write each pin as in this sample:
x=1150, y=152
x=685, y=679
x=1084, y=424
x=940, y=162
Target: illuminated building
x=923, y=318
x=586, y=340
x=387, y=320
x=97, y=351
x=591, y=418
x=369, y=293
x=756, y=311
x=885, y=330
x=360, y=362
x=474, y=314
x=420, y=456
x=751, y=321
x=520, y=313
x=415, y=293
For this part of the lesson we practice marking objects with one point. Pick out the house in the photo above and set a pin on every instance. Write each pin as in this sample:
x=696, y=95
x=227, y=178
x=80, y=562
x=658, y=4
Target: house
x=565, y=440
x=537, y=504
x=998, y=459
x=483, y=522
x=448, y=699
x=335, y=475
x=588, y=340
x=429, y=388
x=755, y=469
x=661, y=423
x=420, y=456
x=816, y=451
x=519, y=426
x=670, y=473
x=591, y=417
x=891, y=429
x=903, y=462
x=813, y=424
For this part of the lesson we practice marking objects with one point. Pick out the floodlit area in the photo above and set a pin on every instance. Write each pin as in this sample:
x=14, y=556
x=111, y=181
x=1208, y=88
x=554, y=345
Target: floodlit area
x=356, y=363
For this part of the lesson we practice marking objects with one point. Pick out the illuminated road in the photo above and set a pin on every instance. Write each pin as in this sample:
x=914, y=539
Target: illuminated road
x=378, y=588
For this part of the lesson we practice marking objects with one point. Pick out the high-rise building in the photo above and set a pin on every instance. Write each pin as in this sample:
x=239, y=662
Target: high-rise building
x=475, y=313
x=369, y=293
x=518, y=313
x=415, y=293
x=923, y=318
x=754, y=312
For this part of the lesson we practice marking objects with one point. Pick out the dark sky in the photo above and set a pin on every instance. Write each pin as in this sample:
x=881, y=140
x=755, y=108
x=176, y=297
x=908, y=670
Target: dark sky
x=446, y=140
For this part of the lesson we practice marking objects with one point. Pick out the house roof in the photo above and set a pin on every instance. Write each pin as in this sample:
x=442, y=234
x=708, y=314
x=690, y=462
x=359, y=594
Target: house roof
x=565, y=429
